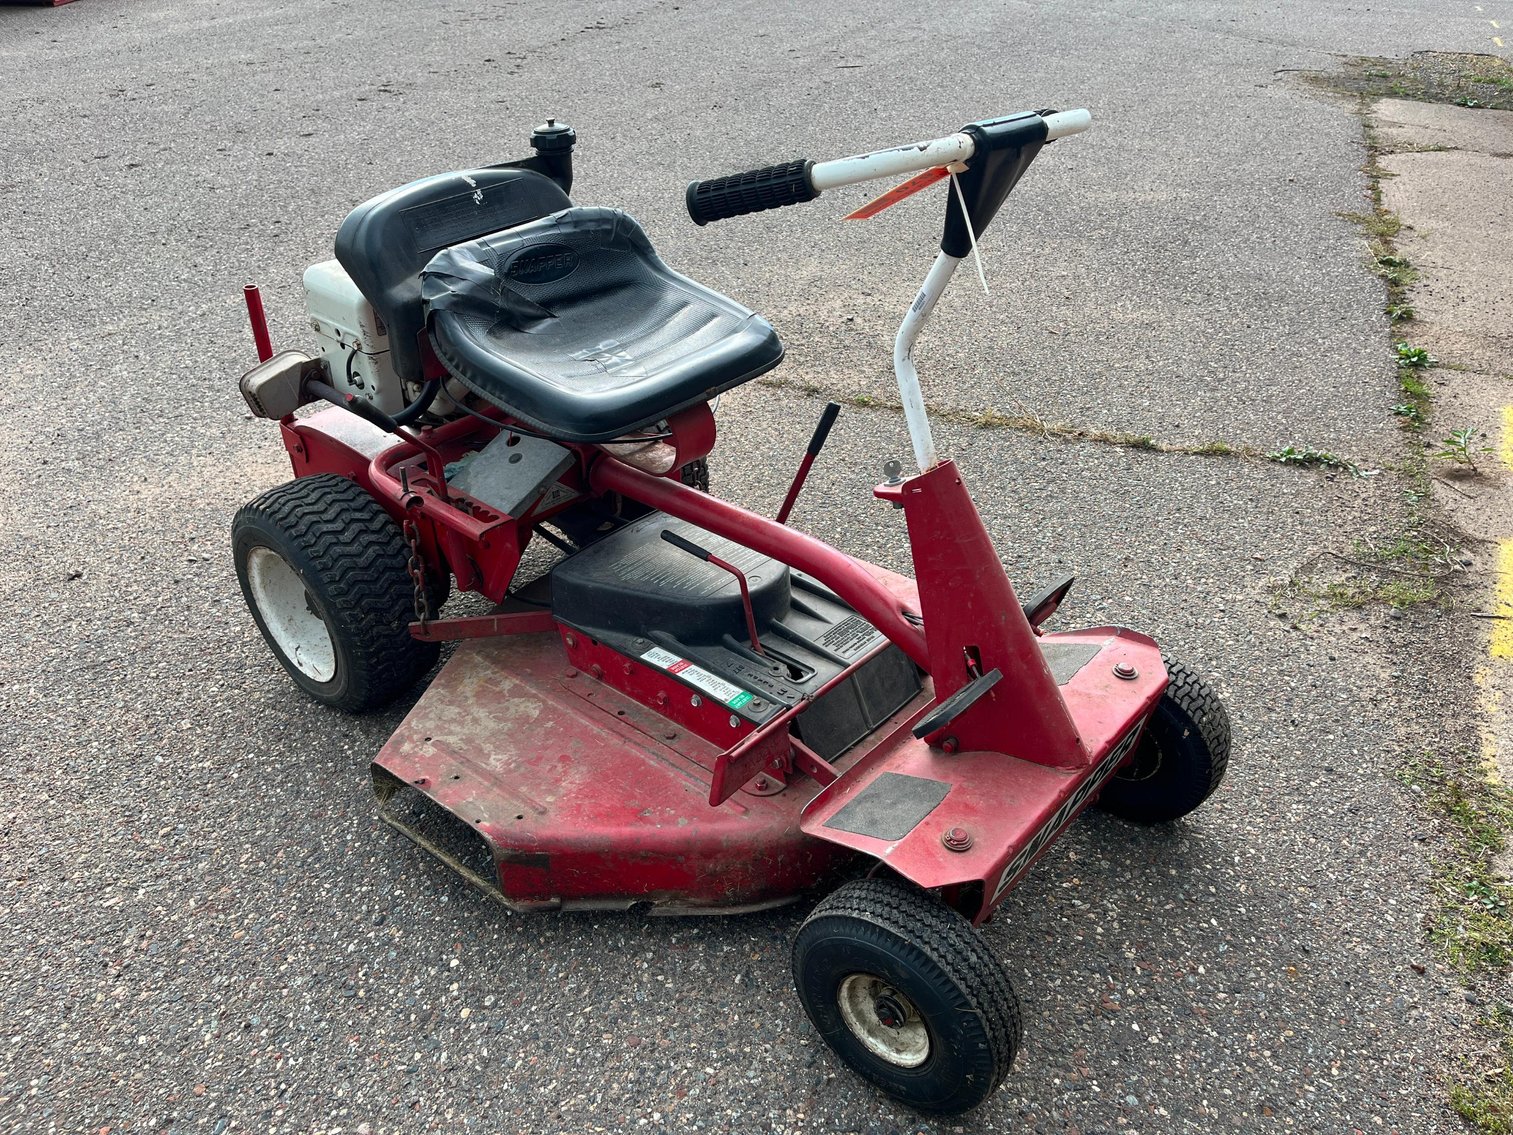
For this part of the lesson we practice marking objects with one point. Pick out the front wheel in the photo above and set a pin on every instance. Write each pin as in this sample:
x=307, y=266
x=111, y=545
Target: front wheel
x=322, y=567
x=1181, y=757
x=907, y=994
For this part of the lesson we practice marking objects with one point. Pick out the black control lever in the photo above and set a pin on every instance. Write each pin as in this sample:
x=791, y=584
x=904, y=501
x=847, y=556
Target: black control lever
x=816, y=443
x=740, y=577
x=1044, y=604
x=957, y=704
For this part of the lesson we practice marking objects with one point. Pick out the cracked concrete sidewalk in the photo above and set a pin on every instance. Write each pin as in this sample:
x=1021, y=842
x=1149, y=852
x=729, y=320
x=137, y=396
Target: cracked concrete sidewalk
x=1450, y=180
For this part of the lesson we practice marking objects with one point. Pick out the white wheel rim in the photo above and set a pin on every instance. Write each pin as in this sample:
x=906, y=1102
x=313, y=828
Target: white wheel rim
x=904, y=1045
x=297, y=631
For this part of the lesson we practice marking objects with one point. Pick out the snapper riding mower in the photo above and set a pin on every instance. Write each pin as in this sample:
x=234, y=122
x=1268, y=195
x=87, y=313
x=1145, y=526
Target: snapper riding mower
x=694, y=708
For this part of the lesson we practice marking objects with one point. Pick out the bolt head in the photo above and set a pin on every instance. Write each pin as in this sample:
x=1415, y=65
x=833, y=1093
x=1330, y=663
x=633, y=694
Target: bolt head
x=956, y=839
x=1125, y=670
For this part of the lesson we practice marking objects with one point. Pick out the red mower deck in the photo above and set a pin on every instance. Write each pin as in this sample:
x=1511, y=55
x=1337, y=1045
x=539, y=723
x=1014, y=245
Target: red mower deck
x=583, y=797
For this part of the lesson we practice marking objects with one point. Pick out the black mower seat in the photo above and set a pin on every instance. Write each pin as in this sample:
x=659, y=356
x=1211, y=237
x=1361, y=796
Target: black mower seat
x=573, y=324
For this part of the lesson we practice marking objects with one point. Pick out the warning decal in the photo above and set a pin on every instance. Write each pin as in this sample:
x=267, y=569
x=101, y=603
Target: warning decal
x=701, y=679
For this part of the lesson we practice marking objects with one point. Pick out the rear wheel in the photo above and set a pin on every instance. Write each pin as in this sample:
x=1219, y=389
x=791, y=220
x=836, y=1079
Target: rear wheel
x=322, y=568
x=1181, y=757
x=908, y=994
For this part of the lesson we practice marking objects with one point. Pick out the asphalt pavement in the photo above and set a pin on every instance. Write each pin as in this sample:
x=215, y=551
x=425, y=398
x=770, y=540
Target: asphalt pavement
x=203, y=925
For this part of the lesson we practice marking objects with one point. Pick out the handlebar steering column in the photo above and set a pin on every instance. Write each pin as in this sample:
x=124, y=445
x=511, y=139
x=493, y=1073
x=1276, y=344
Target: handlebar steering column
x=996, y=152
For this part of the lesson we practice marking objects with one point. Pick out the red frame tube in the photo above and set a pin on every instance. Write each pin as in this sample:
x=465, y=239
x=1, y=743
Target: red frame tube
x=259, y=320
x=856, y=586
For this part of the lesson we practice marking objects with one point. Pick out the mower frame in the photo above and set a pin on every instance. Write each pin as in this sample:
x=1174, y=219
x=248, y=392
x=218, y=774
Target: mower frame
x=1028, y=758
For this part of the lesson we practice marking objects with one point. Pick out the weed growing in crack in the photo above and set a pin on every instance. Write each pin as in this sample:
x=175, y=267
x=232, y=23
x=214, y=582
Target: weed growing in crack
x=1415, y=358
x=1474, y=925
x=1462, y=446
x=1483, y=1093
x=1411, y=411
x=1307, y=455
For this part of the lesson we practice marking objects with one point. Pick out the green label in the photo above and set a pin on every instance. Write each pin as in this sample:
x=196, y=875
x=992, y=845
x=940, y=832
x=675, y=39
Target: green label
x=739, y=701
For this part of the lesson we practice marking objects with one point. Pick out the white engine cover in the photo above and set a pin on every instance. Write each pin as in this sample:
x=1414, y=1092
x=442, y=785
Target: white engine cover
x=353, y=340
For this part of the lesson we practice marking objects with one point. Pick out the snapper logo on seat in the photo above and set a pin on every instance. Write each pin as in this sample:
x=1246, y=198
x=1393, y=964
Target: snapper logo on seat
x=541, y=264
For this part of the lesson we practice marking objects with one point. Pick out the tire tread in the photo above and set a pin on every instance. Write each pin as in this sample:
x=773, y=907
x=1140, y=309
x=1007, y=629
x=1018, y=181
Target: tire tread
x=940, y=938
x=358, y=552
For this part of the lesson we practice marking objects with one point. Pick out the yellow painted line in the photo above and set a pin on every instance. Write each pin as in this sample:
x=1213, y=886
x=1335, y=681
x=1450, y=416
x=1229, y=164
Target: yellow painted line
x=1502, y=607
x=1497, y=39
x=1495, y=24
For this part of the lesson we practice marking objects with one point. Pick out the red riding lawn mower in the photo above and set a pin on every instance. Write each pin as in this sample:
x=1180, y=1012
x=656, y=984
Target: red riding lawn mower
x=693, y=708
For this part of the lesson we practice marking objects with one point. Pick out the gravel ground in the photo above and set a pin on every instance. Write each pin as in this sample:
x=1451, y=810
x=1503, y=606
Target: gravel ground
x=206, y=928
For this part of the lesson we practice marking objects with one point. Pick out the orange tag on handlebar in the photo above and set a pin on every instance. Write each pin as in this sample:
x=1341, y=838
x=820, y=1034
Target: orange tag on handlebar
x=908, y=189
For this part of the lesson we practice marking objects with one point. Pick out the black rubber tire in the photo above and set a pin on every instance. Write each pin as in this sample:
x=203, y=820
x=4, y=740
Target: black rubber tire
x=351, y=557
x=1181, y=757
x=932, y=955
x=696, y=474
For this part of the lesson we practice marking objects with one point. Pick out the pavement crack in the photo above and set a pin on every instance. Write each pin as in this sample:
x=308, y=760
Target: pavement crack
x=1022, y=420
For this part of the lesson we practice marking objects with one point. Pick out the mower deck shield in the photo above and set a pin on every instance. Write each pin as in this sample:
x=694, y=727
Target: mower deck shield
x=980, y=819
x=547, y=788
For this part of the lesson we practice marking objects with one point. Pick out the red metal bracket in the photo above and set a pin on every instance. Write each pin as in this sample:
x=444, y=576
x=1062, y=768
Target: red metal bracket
x=484, y=626
x=807, y=761
x=259, y=320
x=971, y=612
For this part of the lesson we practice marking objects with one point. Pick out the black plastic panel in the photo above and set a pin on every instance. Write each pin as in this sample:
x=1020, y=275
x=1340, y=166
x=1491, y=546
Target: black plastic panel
x=846, y=714
x=648, y=600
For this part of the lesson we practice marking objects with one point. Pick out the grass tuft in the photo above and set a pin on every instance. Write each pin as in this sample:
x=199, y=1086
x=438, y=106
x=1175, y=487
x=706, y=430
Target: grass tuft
x=1474, y=923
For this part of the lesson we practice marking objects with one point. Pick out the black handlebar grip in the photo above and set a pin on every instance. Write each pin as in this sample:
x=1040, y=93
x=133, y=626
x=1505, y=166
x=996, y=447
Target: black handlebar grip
x=750, y=192
x=686, y=545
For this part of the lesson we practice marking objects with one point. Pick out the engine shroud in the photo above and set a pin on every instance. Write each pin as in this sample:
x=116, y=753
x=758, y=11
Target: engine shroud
x=649, y=601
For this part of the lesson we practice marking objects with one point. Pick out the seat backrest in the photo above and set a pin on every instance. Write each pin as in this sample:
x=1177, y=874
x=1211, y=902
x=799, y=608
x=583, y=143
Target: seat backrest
x=384, y=243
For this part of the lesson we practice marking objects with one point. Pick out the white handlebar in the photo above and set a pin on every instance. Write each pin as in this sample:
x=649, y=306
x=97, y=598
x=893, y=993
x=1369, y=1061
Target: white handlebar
x=925, y=155
x=891, y=163
x=1065, y=122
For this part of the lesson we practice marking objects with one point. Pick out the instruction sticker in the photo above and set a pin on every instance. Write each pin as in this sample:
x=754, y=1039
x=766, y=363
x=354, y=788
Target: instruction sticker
x=697, y=677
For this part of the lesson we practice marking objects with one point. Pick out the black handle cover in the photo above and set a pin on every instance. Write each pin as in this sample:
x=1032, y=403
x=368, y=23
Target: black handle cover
x=822, y=431
x=957, y=704
x=686, y=545
x=769, y=188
